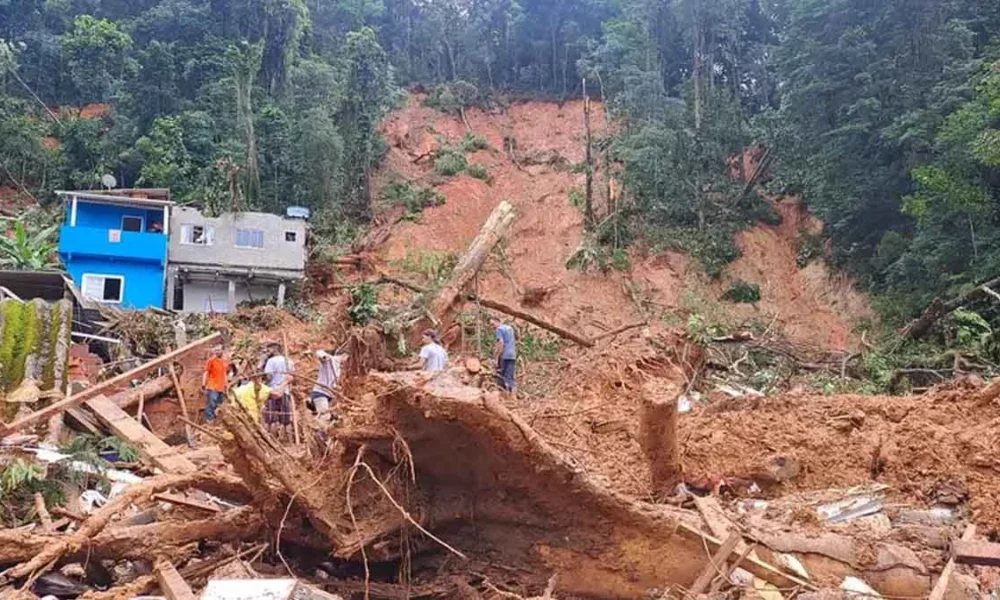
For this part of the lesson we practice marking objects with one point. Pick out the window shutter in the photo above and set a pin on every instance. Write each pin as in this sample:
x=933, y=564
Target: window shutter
x=185, y=234
x=209, y=235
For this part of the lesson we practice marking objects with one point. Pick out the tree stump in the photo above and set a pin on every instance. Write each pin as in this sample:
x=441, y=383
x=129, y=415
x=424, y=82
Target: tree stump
x=658, y=436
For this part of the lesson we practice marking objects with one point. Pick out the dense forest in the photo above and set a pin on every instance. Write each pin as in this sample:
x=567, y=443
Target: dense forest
x=883, y=114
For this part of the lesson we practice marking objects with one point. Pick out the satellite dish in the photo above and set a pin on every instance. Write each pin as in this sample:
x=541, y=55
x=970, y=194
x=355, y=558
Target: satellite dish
x=109, y=181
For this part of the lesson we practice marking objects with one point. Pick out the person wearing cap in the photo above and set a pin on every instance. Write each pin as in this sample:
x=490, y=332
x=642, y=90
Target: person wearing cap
x=214, y=380
x=433, y=356
x=330, y=370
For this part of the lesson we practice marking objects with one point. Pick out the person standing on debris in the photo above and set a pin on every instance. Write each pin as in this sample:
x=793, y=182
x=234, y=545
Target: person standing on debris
x=252, y=395
x=330, y=369
x=433, y=356
x=278, y=369
x=214, y=381
x=506, y=354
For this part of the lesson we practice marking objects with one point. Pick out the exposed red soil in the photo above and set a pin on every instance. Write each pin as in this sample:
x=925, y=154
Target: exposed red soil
x=811, y=305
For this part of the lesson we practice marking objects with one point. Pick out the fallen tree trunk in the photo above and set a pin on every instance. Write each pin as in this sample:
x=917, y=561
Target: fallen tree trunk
x=138, y=542
x=148, y=390
x=528, y=317
x=45, y=559
x=475, y=256
x=938, y=309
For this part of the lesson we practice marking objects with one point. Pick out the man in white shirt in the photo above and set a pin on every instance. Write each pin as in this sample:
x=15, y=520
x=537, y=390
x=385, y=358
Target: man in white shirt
x=433, y=356
x=279, y=369
x=330, y=369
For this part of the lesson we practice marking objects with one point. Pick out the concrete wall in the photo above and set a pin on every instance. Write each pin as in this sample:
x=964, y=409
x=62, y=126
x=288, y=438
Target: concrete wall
x=277, y=253
x=143, y=285
x=198, y=293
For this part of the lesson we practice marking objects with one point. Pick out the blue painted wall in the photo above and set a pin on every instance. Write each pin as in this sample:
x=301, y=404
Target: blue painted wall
x=139, y=257
x=143, y=287
x=109, y=216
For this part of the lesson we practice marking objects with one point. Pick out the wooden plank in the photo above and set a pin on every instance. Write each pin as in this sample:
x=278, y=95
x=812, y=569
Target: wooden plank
x=99, y=389
x=941, y=587
x=971, y=552
x=716, y=564
x=171, y=583
x=180, y=500
x=151, y=448
x=184, y=408
x=752, y=565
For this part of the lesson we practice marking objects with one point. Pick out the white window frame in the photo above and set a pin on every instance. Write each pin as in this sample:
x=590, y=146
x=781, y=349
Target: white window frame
x=236, y=238
x=207, y=236
x=142, y=223
x=103, y=276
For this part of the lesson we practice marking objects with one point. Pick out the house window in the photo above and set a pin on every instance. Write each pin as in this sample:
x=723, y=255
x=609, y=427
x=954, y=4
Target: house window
x=130, y=223
x=290, y=236
x=103, y=288
x=197, y=235
x=249, y=238
x=214, y=305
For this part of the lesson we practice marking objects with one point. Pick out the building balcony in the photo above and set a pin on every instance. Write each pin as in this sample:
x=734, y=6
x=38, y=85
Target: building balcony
x=113, y=244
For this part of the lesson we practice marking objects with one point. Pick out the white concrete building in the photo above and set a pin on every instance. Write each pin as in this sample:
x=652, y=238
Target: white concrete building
x=216, y=263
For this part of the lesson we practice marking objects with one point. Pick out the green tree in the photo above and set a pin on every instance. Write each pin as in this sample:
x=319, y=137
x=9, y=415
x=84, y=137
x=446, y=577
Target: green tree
x=28, y=251
x=96, y=52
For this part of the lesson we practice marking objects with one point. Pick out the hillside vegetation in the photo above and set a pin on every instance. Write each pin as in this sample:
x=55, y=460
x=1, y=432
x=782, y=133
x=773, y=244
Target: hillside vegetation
x=884, y=116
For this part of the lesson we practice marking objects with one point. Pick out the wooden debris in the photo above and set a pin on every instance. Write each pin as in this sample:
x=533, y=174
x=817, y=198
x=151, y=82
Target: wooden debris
x=471, y=262
x=972, y=552
x=151, y=448
x=99, y=389
x=172, y=584
x=186, y=502
x=941, y=587
x=534, y=320
x=716, y=564
x=43, y=512
x=180, y=398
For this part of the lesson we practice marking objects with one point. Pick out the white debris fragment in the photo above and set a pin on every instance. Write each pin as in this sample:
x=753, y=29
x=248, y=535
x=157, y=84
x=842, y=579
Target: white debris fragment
x=856, y=588
x=790, y=563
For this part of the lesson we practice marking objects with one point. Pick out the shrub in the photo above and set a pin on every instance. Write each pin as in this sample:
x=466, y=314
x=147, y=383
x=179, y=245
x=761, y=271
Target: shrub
x=414, y=197
x=449, y=163
x=742, y=292
x=479, y=172
x=364, y=304
x=472, y=142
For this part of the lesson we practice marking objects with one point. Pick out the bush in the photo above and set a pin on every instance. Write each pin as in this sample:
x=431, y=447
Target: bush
x=742, y=292
x=364, y=304
x=479, y=172
x=414, y=197
x=472, y=142
x=449, y=163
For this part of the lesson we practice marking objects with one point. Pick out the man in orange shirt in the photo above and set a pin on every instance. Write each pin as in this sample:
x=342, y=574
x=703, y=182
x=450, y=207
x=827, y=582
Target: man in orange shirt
x=214, y=381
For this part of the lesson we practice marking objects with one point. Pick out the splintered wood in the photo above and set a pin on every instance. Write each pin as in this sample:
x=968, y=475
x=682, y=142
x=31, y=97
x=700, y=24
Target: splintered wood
x=149, y=446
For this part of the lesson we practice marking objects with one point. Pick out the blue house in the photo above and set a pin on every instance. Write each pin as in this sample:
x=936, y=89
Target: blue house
x=114, y=245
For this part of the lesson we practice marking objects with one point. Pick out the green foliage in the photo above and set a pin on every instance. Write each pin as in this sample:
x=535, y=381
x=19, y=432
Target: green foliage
x=742, y=292
x=453, y=97
x=479, y=172
x=28, y=251
x=532, y=347
x=432, y=267
x=90, y=449
x=810, y=248
x=96, y=53
x=364, y=304
x=449, y=163
x=413, y=196
x=472, y=143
